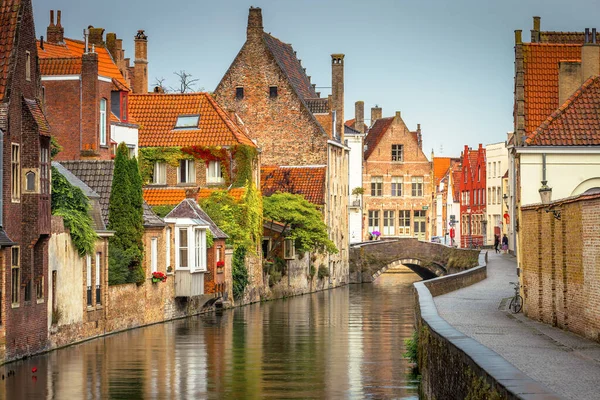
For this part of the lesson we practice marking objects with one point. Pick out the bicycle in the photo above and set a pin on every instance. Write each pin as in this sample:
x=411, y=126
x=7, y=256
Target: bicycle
x=516, y=303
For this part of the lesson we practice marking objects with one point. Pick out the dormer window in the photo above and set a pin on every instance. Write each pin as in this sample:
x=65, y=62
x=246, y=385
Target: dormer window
x=187, y=121
x=273, y=92
x=239, y=93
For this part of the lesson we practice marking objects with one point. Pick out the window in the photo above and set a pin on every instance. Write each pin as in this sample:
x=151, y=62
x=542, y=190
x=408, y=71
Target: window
x=45, y=170
x=478, y=174
x=288, y=249
x=159, y=176
x=103, y=122
x=489, y=195
x=27, y=296
x=498, y=195
x=388, y=223
x=187, y=121
x=88, y=279
x=30, y=181
x=28, y=66
x=39, y=289
x=98, y=281
x=168, y=246
x=200, y=249
x=404, y=222
x=417, y=186
x=376, y=185
x=186, y=172
x=15, y=275
x=397, y=182
x=272, y=92
x=153, y=254
x=183, y=248
x=266, y=247
x=214, y=174
x=124, y=108
x=397, y=152
x=495, y=170
x=239, y=93
x=15, y=163
x=489, y=168
x=373, y=220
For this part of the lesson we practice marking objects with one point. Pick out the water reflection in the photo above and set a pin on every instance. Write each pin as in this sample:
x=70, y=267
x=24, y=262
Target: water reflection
x=346, y=342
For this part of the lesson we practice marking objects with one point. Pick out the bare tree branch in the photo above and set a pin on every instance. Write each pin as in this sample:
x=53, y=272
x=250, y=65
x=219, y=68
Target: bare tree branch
x=186, y=83
x=159, y=85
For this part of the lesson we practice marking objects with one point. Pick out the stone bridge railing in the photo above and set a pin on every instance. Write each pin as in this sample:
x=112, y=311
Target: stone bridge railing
x=429, y=260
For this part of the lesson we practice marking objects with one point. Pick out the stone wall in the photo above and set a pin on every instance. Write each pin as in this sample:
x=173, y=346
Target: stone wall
x=560, y=264
x=455, y=366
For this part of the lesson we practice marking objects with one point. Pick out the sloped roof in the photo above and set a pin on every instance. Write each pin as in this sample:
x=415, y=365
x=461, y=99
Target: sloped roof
x=236, y=193
x=157, y=115
x=348, y=130
x=288, y=62
x=540, y=63
x=163, y=196
x=574, y=123
x=318, y=105
x=58, y=59
x=375, y=134
x=308, y=181
x=9, y=18
x=150, y=217
x=440, y=168
x=39, y=117
x=188, y=208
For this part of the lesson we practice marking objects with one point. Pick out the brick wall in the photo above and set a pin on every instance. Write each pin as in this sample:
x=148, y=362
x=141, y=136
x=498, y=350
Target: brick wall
x=560, y=265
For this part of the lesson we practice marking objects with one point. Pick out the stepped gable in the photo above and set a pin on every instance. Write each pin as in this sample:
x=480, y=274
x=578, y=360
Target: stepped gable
x=308, y=181
x=188, y=208
x=157, y=116
x=574, y=123
x=375, y=134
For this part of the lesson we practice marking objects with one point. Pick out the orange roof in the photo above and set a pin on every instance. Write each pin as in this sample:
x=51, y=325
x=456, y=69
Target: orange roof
x=440, y=167
x=375, y=134
x=9, y=13
x=308, y=181
x=163, y=196
x=540, y=63
x=157, y=114
x=236, y=193
x=57, y=59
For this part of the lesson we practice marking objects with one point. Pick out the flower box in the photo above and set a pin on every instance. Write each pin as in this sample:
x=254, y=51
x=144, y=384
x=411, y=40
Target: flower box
x=158, y=277
x=220, y=267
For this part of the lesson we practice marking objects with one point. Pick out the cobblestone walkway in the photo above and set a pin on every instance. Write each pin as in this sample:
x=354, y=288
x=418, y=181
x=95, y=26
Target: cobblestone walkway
x=564, y=362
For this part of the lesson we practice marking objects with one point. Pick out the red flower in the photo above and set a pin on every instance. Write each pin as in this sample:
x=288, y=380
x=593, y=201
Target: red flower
x=220, y=264
x=159, y=275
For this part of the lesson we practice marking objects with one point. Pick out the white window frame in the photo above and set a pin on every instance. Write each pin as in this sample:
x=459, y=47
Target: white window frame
x=397, y=184
x=389, y=219
x=168, y=250
x=159, y=177
x=178, y=248
x=98, y=277
x=417, y=186
x=289, y=250
x=372, y=216
x=199, y=249
x=196, y=250
x=153, y=254
x=190, y=172
x=88, y=280
x=214, y=174
x=103, y=122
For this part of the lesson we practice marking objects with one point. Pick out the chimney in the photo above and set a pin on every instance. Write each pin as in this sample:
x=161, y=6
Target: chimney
x=590, y=56
x=569, y=79
x=96, y=36
x=359, y=116
x=376, y=113
x=535, y=32
x=420, y=139
x=398, y=115
x=111, y=45
x=90, y=139
x=255, y=24
x=337, y=92
x=55, y=33
x=140, y=67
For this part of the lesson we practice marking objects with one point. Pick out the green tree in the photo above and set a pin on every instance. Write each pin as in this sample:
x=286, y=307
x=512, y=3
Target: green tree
x=305, y=221
x=125, y=217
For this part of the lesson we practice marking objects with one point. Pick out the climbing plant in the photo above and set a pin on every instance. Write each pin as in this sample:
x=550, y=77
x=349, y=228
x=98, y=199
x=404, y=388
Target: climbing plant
x=69, y=202
x=239, y=272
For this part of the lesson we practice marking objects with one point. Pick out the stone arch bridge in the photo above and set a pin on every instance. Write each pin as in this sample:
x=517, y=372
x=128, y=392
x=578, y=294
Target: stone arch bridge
x=370, y=259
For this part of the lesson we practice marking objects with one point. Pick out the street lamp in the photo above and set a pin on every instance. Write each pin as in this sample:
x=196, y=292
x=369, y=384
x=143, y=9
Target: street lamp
x=505, y=198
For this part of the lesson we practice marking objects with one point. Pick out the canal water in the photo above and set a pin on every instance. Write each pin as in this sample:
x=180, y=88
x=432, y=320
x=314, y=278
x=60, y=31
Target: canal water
x=342, y=343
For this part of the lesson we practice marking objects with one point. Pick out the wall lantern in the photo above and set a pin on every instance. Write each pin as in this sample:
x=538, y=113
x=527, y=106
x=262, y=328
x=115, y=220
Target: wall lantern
x=546, y=191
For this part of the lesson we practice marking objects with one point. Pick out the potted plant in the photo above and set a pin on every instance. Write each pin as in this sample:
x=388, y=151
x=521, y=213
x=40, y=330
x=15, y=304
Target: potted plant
x=158, y=277
x=357, y=192
x=375, y=235
x=220, y=266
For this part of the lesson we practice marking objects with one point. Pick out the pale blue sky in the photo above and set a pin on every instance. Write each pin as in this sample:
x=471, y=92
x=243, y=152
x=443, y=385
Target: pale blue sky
x=445, y=64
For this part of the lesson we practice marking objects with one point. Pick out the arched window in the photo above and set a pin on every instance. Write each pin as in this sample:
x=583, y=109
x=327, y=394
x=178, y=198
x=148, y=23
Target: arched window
x=103, y=122
x=30, y=181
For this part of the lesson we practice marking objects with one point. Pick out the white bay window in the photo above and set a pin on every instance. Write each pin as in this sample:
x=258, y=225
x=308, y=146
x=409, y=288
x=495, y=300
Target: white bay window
x=214, y=173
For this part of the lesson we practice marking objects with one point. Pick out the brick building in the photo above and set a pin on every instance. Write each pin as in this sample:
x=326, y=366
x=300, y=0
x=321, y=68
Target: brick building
x=293, y=126
x=25, y=179
x=398, y=180
x=86, y=89
x=473, y=197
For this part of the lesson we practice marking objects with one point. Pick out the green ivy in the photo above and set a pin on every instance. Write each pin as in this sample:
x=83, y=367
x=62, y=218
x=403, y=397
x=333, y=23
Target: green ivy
x=69, y=202
x=210, y=239
x=163, y=210
x=245, y=156
x=239, y=272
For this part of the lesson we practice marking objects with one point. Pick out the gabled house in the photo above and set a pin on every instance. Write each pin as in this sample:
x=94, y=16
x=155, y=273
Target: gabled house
x=473, y=197
x=25, y=179
x=397, y=178
x=85, y=93
x=267, y=86
x=442, y=197
x=497, y=165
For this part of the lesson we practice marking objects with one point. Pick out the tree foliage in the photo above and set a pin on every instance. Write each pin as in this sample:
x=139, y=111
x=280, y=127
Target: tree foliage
x=125, y=217
x=239, y=272
x=307, y=228
x=69, y=202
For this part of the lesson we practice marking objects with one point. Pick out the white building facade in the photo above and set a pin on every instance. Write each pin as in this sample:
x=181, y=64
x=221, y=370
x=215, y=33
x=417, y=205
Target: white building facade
x=355, y=141
x=497, y=168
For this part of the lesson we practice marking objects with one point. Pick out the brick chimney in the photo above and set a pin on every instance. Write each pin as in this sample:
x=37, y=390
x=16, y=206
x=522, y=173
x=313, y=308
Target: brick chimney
x=140, y=68
x=359, y=116
x=255, y=24
x=420, y=139
x=90, y=139
x=337, y=92
x=535, y=32
x=376, y=113
x=55, y=33
x=572, y=74
x=96, y=37
x=590, y=56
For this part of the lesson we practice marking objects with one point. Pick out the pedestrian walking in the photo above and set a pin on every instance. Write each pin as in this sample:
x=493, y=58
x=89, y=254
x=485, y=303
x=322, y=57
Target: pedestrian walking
x=505, y=243
x=497, y=243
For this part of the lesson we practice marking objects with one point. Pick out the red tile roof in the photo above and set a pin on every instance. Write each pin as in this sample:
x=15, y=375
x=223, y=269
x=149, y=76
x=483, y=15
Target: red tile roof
x=156, y=115
x=350, y=122
x=575, y=123
x=236, y=193
x=375, y=134
x=540, y=65
x=52, y=54
x=440, y=168
x=9, y=13
x=38, y=116
x=163, y=196
x=308, y=181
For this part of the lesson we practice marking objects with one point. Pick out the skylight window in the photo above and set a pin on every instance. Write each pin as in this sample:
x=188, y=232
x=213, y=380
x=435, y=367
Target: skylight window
x=187, y=121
